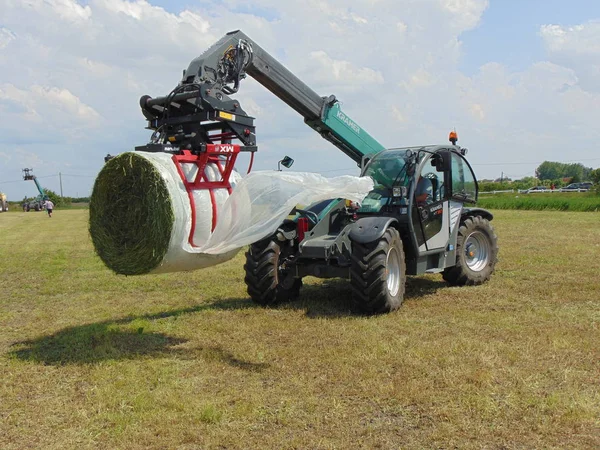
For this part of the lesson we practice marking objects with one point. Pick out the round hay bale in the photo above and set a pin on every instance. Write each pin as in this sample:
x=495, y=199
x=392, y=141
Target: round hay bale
x=131, y=215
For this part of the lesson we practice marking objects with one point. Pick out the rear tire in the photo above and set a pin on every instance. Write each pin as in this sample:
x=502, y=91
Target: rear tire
x=378, y=273
x=476, y=253
x=265, y=278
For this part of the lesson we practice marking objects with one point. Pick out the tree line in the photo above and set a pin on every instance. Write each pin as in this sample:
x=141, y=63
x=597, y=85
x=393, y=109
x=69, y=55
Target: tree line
x=58, y=200
x=574, y=172
x=548, y=173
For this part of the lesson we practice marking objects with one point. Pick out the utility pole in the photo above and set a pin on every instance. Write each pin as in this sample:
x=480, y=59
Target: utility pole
x=60, y=179
x=502, y=178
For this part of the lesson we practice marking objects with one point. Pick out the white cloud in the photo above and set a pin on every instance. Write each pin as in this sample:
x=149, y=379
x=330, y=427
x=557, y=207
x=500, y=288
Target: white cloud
x=64, y=100
x=394, y=65
x=94, y=67
x=465, y=13
x=43, y=103
x=25, y=158
x=578, y=39
x=418, y=80
x=358, y=19
x=6, y=36
x=398, y=115
x=576, y=47
x=343, y=72
x=477, y=111
x=68, y=10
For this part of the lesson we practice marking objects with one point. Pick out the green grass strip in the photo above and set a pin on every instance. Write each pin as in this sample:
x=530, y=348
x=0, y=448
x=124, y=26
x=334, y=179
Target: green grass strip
x=131, y=215
x=559, y=201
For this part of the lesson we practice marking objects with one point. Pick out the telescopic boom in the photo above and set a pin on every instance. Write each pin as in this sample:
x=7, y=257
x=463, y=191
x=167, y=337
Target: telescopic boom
x=201, y=103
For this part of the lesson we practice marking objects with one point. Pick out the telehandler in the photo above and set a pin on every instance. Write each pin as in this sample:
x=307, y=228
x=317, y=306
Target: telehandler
x=419, y=218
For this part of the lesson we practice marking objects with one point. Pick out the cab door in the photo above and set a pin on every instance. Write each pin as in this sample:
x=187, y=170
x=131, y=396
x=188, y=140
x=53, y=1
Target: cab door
x=433, y=214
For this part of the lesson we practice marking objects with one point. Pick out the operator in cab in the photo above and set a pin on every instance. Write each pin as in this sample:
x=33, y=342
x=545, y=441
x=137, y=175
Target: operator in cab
x=424, y=191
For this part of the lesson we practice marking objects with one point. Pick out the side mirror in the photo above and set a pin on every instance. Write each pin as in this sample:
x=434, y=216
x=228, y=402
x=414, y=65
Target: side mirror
x=285, y=162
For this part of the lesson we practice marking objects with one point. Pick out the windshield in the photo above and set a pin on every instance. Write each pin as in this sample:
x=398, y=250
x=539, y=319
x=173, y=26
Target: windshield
x=388, y=169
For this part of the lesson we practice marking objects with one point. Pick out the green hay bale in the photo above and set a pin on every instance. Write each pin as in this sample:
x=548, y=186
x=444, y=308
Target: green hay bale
x=131, y=215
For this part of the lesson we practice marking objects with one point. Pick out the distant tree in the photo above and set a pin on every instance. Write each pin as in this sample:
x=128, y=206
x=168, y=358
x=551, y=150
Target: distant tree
x=595, y=176
x=57, y=199
x=80, y=199
x=525, y=183
x=549, y=170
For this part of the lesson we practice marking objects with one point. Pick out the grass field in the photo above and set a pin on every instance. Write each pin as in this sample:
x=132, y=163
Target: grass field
x=89, y=359
x=556, y=201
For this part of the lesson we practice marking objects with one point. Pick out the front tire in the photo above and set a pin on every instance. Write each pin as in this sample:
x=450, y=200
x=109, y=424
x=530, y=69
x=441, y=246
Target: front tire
x=265, y=275
x=378, y=273
x=476, y=253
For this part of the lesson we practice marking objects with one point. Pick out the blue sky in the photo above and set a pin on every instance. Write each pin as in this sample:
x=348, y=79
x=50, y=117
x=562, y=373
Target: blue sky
x=509, y=30
x=520, y=80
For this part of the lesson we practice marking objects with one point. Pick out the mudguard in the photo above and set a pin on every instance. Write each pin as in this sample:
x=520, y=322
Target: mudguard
x=477, y=212
x=369, y=229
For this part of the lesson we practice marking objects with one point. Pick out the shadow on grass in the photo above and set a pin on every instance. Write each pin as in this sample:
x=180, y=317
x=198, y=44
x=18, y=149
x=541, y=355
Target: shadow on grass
x=88, y=344
x=119, y=339
x=218, y=354
x=113, y=340
x=417, y=287
x=333, y=298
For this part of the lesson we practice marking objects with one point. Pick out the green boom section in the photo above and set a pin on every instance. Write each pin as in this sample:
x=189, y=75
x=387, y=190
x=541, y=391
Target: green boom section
x=40, y=189
x=346, y=134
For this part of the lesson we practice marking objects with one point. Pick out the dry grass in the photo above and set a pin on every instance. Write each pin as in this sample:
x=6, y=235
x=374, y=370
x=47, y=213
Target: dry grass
x=92, y=359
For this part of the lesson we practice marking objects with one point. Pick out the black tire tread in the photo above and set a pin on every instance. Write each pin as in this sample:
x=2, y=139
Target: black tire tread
x=461, y=274
x=368, y=274
x=261, y=277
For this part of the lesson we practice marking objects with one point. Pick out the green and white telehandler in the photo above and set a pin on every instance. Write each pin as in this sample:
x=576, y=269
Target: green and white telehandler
x=419, y=218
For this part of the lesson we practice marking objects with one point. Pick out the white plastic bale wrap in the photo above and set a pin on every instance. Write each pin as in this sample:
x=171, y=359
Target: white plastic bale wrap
x=257, y=206
x=262, y=200
x=181, y=255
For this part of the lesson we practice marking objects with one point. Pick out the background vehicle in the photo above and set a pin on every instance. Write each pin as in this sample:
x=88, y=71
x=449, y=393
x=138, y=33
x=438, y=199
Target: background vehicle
x=538, y=189
x=374, y=245
x=37, y=204
x=585, y=186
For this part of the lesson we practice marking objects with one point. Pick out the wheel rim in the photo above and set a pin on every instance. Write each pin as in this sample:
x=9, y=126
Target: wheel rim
x=477, y=251
x=393, y=272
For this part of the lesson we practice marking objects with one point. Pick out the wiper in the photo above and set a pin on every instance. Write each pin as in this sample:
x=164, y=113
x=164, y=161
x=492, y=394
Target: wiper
x=464, y=197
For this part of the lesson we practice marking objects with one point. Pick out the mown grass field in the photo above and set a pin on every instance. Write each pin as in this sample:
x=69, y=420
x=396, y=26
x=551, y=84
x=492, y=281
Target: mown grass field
x=555, y=201
x=89, y=359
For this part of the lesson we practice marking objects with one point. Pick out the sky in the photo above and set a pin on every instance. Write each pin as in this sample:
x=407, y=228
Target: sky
x=518, y=79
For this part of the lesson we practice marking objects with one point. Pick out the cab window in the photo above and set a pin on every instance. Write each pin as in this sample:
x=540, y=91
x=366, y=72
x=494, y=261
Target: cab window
x=464, y=186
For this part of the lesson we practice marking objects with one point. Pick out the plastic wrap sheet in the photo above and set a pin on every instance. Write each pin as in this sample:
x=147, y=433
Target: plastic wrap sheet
x=262, y=200
x=181, y=255
x=257, y=206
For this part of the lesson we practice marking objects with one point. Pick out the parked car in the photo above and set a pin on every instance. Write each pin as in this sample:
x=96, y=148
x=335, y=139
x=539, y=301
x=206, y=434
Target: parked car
x=538, y=189
x=579, y=186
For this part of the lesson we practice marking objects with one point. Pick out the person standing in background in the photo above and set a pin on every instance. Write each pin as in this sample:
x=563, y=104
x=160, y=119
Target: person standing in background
x=49, y=207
